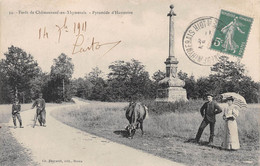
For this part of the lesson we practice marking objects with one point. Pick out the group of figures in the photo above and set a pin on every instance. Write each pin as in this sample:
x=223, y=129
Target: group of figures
x=40, y=112
x=208, y=112
x=136, y=113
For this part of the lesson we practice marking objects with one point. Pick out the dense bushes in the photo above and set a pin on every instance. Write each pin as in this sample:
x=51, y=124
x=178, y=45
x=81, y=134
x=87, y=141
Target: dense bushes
x=180, y=106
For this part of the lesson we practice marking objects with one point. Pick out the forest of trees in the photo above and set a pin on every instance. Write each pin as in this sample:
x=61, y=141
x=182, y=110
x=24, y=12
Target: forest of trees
x=20, y=74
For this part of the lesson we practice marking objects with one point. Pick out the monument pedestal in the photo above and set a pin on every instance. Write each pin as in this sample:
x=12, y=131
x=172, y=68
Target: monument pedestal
x=171, y=94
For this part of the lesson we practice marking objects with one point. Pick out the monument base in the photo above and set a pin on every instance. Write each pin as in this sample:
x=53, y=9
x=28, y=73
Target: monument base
x=171, y=94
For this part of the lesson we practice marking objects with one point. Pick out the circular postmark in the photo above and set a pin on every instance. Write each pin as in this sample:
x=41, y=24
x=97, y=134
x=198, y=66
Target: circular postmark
x=197, y=40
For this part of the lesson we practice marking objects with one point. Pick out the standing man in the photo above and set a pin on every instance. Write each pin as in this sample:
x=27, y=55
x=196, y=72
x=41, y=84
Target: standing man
x=16, y=108
x=41, y=113
x=208, y=112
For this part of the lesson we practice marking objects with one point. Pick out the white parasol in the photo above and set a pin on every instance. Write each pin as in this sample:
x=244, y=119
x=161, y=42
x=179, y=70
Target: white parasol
x=238, y=99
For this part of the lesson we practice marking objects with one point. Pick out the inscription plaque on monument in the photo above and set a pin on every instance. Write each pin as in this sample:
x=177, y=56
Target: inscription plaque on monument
x=162, y=93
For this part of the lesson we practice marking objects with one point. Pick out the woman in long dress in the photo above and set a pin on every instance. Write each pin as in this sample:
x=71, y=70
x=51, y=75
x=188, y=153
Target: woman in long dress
x=230, y=140
x=229, y=30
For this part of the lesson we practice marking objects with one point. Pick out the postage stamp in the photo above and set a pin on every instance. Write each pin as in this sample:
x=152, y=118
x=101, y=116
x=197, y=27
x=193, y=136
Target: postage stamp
x=232, y=37
x=197, y=39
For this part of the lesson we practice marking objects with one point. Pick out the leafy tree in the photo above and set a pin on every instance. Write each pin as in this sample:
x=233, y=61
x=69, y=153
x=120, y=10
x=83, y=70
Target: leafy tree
x=203, y=86
x=129, y=81
x=228, y=76
x=228, y=70
x=249, y=89
x=60, y=78
x=139, y=82
x=116, y=90
x=119, y=71
x=19, y=68
x=98, y=84
x=98, y=90
x=5, y=95
x=38, y=83
x=190, y=86
x=83, y=87
x=94, y=75
x=63, y=67
x=159, y=75
x=182, y=75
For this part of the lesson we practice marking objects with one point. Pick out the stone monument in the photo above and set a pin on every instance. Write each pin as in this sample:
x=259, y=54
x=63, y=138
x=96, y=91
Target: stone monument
x=172, y=87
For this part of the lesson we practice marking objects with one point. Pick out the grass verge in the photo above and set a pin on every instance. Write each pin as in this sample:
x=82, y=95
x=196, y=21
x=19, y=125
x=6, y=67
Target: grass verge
x=11, y=152
x=167, y=134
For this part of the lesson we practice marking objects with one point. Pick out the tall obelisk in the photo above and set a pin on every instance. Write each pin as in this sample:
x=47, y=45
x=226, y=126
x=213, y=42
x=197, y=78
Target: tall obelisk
x=172, y=87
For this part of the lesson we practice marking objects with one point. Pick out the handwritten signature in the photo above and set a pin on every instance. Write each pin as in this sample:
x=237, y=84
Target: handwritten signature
x=77, y=46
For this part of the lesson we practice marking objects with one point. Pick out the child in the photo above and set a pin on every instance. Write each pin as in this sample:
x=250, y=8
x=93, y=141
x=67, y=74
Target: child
x=16, y=108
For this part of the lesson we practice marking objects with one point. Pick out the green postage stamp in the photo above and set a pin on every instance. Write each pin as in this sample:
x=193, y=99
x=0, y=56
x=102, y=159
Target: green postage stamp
x=231, y=34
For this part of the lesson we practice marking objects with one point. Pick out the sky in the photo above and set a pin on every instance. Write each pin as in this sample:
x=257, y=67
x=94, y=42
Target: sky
x=142, y=35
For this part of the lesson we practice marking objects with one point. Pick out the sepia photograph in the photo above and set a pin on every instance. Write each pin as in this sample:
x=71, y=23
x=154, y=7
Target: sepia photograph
x=129, y=83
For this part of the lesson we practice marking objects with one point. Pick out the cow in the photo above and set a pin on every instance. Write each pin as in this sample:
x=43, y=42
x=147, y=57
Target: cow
x=135, y=114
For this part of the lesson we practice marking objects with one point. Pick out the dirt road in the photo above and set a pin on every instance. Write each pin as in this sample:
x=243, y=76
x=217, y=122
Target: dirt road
x=59, y=144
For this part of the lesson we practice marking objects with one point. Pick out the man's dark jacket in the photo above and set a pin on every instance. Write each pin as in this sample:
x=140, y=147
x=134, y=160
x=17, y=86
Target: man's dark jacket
x=16, y=108
x=40, y=104
x=209, y=110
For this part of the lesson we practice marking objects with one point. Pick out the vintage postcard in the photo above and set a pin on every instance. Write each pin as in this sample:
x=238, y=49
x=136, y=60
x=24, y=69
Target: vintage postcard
x=132, y=82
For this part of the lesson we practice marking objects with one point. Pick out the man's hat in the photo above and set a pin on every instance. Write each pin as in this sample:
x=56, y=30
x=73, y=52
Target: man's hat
x=209, y=94
x=15, y=100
